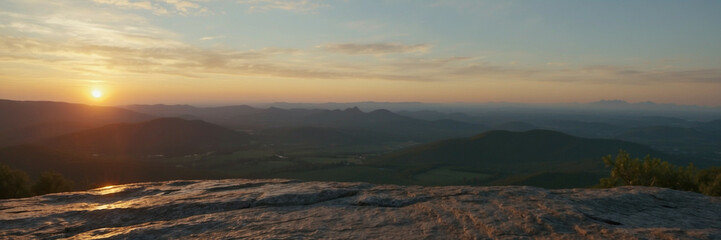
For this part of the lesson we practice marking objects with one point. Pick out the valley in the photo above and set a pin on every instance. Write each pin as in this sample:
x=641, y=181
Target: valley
x=378, y=146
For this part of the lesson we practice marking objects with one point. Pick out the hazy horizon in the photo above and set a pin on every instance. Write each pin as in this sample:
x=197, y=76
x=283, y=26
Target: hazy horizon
x=599, y=102
x=262, y=51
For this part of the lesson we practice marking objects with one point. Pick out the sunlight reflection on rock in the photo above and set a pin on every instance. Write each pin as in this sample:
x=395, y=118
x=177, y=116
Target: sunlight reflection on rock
x=115, y=205
x=109, y=190
x=286, y=209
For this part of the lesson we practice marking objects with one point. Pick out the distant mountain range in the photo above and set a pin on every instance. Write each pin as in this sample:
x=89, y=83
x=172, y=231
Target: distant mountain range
x=456, y=107
x=378, y=122
x=85, y=142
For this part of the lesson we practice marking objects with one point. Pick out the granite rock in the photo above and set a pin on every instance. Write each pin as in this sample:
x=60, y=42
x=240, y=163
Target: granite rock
x=287, y=209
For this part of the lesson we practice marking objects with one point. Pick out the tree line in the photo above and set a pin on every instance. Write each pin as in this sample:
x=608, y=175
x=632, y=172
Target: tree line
x=654, y=172
x=16, y=183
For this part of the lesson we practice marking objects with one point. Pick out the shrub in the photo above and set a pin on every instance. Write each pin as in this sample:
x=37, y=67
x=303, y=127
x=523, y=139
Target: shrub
x=709, y=181
x=13, y=183
x=51, y=182
x=653, y=172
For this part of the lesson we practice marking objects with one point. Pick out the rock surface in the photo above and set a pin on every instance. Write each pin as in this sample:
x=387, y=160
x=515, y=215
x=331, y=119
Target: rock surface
x=282, y=209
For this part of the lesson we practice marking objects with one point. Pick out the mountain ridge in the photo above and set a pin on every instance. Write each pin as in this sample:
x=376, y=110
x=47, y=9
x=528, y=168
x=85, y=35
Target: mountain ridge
x=29, y=121
x=161, y=136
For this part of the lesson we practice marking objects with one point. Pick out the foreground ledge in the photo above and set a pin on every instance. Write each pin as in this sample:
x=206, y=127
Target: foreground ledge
x=278, y=208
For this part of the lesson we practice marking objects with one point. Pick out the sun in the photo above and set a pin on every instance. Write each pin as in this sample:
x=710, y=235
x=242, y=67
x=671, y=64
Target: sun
x=96, y=93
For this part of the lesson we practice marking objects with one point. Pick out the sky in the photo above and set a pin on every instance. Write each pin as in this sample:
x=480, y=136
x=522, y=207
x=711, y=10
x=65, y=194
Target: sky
x=112, y=52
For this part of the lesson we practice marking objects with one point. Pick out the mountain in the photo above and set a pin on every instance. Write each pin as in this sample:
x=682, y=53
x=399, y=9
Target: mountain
x=504, y=147
x=395, y=126
x=699, y=144
x=29, y=121
x=382, y=122
x=285, y=209
x=514, y=126
x=666, y=134
x=163, y=136
x=218, y=115
x=512, y=157
x=710, y=126
x=317, y=136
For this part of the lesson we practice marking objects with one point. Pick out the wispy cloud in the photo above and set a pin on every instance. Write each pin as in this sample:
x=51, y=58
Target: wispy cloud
x=27, y=27
x=134, y=32
x=557, y=64
x=303, y=6
x=120, y=44
x=629, y=75
x=375, y=48
x=208, y=38
x=159, y=7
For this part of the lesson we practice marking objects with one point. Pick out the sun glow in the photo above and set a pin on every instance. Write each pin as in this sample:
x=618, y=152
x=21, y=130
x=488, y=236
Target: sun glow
x=96, y=93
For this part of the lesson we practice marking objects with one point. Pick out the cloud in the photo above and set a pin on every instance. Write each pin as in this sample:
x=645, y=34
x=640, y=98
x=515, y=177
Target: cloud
x=608, y=73
x=127, y=46
x=27, y=27
x=301, y=6
x=185, y=7
x=185, y=61
x=208, y=38
x=76, y=55
x=158, y=7
x=419, y=62
x=557, y=64
x=375, y=48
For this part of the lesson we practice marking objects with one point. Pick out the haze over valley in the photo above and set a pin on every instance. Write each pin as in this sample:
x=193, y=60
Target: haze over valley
x=536, y=146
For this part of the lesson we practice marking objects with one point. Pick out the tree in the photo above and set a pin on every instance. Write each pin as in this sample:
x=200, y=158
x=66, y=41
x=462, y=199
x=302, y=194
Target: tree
x=650, y=172
x=709, y=181
x=51, y=182
x=13, y=183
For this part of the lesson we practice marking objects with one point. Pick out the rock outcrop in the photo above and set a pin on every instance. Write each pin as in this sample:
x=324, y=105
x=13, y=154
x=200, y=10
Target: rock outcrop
x=281, y=209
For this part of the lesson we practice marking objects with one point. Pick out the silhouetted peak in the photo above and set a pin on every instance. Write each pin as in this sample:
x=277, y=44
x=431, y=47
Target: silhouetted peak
x=515, y=126
x=171, y=120
x=353, y=110
x=382, y=112
x=610, y=102
x=275, y=110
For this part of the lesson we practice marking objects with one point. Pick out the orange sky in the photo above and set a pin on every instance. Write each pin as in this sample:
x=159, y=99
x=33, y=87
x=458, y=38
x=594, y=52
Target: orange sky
x=345, y=51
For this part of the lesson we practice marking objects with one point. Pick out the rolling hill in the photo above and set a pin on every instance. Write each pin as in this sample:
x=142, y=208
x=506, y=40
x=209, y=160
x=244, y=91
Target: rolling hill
x=29, y=121
x=699, y=144
x=163, y=136
x=515, y=157
x=504, y=147
x=316, y=136
x=667, y=133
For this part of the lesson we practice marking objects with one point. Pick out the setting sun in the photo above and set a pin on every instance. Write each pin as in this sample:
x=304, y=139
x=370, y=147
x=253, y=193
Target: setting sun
x=96, y=93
